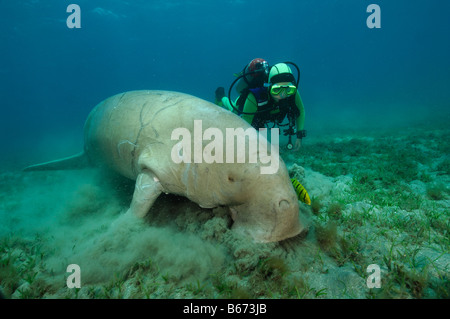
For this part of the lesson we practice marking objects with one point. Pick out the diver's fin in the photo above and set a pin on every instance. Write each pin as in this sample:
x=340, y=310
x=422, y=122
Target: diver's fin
x=78, y=161
x=220, y=93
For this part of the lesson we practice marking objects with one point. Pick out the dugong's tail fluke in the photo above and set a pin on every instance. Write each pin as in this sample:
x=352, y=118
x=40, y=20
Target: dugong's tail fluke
x=78, y=161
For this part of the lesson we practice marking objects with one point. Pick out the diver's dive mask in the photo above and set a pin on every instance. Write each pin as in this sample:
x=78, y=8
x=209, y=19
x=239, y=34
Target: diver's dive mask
x=277, y=89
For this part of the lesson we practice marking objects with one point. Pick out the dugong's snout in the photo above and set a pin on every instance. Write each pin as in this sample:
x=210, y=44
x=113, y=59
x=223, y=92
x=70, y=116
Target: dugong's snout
x=286, y=223
x=271, y=221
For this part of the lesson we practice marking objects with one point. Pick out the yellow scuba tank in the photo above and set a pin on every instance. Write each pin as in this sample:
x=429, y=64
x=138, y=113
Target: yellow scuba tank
x=302, y=194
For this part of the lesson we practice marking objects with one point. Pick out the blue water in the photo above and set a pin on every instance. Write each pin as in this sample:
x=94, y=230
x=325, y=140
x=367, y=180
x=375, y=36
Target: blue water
x=52, y=76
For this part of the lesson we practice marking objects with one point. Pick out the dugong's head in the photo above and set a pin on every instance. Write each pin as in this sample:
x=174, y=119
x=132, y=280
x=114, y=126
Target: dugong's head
x=236, y=166
x=266, y=207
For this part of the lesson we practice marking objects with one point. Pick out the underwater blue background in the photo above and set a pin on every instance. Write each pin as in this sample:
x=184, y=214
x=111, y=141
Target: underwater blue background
x=351, y=76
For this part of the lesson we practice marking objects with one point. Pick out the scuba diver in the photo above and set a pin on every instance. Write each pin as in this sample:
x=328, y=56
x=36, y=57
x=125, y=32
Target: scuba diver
x=268, y=96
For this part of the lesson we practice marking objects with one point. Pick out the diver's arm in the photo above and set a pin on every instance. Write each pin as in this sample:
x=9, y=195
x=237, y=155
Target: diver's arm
x=300, y=120
x=301, y=108
x=250, y=106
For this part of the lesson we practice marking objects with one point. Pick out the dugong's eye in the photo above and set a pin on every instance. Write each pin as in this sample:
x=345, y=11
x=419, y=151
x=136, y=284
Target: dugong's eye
x=230, y=178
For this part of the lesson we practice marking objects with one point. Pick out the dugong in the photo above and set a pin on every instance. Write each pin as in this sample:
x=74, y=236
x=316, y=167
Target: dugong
x=132, y=133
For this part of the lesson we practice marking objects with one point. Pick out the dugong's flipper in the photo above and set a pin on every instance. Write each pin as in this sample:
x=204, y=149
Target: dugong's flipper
x=78, y=161
x=146, y=190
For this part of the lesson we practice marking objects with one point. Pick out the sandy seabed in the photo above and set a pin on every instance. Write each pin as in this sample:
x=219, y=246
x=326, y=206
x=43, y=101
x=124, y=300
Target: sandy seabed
x=378, y=199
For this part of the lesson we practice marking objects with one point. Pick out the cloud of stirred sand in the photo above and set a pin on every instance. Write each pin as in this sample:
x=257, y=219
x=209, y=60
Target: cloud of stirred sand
x=81, y=220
